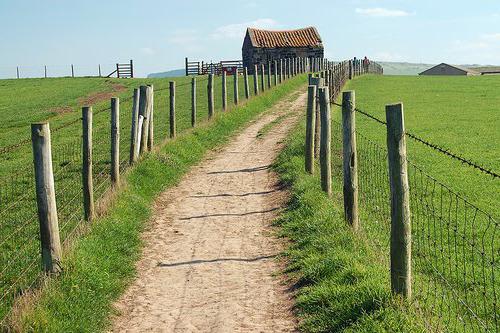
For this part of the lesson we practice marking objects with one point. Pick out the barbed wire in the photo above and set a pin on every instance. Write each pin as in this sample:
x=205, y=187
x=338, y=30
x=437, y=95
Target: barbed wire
x=445, y=151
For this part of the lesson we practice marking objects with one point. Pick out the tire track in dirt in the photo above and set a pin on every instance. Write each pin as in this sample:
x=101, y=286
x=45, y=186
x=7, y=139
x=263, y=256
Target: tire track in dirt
x=209, y=264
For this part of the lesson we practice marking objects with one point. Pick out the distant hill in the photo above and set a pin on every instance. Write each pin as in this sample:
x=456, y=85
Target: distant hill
x=407, y=68
x=485, y=68
x=403, y=68
x=172, y=73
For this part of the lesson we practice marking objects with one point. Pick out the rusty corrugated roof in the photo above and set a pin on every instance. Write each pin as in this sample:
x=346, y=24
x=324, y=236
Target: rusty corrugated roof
x=285, y=38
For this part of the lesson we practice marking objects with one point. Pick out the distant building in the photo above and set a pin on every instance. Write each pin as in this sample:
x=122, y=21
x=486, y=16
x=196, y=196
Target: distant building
x=446, y=69
x=262, y=46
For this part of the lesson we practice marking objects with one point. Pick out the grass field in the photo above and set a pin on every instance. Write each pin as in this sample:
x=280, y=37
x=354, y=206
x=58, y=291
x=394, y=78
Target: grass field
x=59, y=101
x=458, y=113
x=454, y=208
x=101, y=263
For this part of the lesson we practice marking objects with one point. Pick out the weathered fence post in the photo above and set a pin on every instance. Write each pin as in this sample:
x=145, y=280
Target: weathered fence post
x=350, y=70
x=245, y=79
x=318, y=82
x=310, y=128
x=72, y=71
x=281, y=70
x=400, y=202
x=269, y=74
x=46, y=198
x=325, y=142
x=115, y=141
x=144, y=108
x=193, y=101
x=133, y=129
x=17, y=71
x=255, y=80
x=262, y=77
x=350, y=159
x=99, y=70
x=210, y=93
x=224, y=91
x=172, y=109
x=45, y=71
x=87, y=176
x=236, y=94
x=151, y=126
x=275, y=72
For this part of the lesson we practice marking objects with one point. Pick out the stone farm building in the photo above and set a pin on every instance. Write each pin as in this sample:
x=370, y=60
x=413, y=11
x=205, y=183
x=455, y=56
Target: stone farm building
x=262, y=46
x=446, y=69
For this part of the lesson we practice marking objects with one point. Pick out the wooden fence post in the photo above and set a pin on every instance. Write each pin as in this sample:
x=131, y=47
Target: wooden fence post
x=87, y=175
x=235, y=92
x=115, y=141
x=17, y=71
x=186, y=63
x=224, y=91
x=325, y=142
x=72, y=71
x=245, y=78
x=133, y=129
x=350, y=70
x=281, y=70
x=151, y=126
x=310, y=127
x=262, y=79
x=255, y=80
x=144, y=109
x=318, y=82
x=350, y=159
x=46, y=198
x=400, y=202
x=99, y=70
x=45, y=71
x=172, y=109
x=275, y=72
x=269, y=75
x=210, y=88
x=193, y=101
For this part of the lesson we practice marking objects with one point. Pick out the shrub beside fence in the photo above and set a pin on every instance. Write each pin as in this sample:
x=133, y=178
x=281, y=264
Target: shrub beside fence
x=441, y=249
x=86, y=157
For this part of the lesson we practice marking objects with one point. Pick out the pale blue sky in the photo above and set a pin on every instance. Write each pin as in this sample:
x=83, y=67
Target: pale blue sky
x=159, y=34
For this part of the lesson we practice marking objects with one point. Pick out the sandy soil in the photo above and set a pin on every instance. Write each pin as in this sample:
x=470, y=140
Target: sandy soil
x=209, y=262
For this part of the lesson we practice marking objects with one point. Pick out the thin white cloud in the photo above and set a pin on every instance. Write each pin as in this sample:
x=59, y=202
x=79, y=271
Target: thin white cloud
x=148, y=51
x=237, y=30
x=491, y=37
x=381, y=12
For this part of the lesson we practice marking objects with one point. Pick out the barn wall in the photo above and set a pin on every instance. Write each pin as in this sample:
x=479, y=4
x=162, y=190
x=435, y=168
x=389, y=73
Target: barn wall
x=256, y=56
x=444, y=70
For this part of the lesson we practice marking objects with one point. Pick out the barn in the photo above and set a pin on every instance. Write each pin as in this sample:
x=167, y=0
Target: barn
x=446, y=69
x=262, y=46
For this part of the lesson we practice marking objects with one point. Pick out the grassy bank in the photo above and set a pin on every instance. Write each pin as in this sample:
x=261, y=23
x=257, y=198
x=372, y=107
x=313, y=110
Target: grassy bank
x=101, y=263
x=342, y=283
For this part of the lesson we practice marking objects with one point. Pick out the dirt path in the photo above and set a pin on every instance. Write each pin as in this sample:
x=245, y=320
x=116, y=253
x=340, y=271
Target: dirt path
x=209, y=260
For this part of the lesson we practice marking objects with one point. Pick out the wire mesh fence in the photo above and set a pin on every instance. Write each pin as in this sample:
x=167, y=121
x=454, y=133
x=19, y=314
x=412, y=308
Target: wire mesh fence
x=454, y=243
